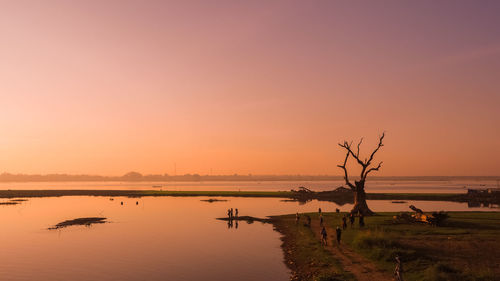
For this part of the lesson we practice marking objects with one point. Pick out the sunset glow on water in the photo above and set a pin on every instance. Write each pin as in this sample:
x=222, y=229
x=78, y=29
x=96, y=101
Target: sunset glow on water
x=368, y=130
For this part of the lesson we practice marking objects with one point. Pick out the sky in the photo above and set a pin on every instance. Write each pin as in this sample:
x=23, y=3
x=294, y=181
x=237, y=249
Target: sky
x=260, y=87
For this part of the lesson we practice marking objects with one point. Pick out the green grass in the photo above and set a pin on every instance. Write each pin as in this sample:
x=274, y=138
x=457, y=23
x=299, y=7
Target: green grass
x=462, y=249
x=139, y=193
x=305, y=255
x=284, y=194
x=275, y=194
x=414, y=196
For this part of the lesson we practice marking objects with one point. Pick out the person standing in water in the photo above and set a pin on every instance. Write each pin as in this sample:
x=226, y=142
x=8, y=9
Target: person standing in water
x=229, y=214
x=339, y=233
x=232, y=213
x=236, y=212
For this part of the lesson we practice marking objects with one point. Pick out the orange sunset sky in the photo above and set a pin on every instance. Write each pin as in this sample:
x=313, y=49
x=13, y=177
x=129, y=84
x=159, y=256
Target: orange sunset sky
x=261, y=87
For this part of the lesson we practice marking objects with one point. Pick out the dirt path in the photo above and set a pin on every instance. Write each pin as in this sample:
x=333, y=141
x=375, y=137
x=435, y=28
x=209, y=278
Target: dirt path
x=359, y=266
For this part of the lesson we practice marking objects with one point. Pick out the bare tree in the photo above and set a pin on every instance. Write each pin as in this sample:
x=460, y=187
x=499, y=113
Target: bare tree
x=358, y=187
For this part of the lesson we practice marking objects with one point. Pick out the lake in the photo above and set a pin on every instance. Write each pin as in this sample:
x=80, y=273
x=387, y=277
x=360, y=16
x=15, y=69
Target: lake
x=375, y=185
x=155, y=238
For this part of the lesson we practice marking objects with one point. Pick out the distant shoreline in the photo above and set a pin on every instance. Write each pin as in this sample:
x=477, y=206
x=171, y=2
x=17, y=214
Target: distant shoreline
x=137, y=177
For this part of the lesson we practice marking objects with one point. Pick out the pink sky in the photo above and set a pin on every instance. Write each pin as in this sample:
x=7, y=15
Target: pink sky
x=261, y=87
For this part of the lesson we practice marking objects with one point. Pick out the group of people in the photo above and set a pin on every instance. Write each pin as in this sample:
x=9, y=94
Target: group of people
x=398, y=272
x=338, y=230
x=352, y=218
x=231, y=215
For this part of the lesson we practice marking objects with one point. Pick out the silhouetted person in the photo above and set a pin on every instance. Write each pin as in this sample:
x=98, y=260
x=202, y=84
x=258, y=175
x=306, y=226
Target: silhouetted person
x=229, y=214
x=121, y=203
x=398, y=271
x=339, y=234
x=351, y=219
x=324, y=236
x=337, y=210
x=319, y=211
x=232, y=213
x=297, y=217
x=308, y=220
x=236, y=212
x=344, y=222
x=321, y=220
x=361, y=220
x=137, y=202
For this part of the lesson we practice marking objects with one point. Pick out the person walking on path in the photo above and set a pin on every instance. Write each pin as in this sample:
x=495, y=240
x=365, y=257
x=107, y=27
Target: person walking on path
x=319, y=211
x=351, y=219
x=398, y=271
x=344, y=222
x=339, y=234
x=324, y=236
x=321, y=220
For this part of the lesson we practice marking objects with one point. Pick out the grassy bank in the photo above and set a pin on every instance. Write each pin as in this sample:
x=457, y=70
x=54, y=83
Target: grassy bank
x=139, y=193
x=416, y=196
x=279, y=194
x=304, y=254
x=467, y=247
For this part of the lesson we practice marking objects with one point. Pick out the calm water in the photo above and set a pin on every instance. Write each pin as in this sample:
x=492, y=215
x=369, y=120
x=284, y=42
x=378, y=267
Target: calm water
x=162, y=238
x=380, y=186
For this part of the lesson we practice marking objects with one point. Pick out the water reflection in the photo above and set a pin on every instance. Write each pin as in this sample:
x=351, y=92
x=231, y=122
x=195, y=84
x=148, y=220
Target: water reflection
x=375, y=185
x=160, y=238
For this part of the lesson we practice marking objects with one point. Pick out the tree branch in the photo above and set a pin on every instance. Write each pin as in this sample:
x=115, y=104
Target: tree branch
x=380, y=144
x=346, y=177
x=347, y=146
x=360, y=141
x=374, y=169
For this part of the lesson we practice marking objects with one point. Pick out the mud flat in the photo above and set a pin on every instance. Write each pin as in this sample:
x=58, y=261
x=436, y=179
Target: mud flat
x=79, y=221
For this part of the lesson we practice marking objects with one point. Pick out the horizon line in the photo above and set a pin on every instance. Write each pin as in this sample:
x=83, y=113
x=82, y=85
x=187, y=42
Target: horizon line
x=134, y=174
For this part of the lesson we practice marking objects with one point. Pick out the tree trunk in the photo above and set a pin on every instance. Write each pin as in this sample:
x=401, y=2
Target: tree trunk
x=360, y=205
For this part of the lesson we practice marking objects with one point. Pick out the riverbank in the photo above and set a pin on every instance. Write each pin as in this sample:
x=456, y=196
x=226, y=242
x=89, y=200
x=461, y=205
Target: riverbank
x=273, y=194
x=139, y=193
x=304, y=255
x=466, y=247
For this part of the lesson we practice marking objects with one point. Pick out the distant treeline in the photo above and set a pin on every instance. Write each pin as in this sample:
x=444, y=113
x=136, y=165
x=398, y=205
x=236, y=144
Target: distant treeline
x=135, y=176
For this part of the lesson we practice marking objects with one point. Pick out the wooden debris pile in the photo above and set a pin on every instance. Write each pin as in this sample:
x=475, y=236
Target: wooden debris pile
x=418, y=216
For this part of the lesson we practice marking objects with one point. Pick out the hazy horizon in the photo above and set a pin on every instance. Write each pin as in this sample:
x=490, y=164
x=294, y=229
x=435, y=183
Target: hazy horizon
x=291, y=176
x=255, y=87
